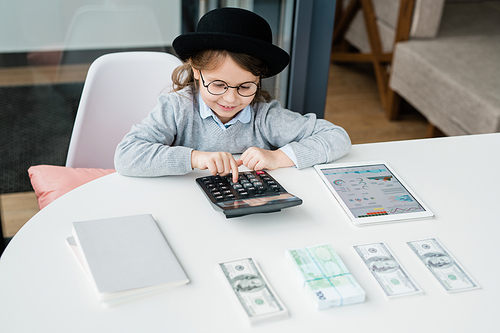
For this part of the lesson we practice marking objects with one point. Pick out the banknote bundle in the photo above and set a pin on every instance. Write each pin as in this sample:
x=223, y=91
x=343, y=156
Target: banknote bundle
x=324, y=276
x=259, y=302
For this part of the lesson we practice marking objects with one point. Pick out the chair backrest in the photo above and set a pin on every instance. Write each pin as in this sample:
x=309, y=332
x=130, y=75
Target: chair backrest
x=119, y=91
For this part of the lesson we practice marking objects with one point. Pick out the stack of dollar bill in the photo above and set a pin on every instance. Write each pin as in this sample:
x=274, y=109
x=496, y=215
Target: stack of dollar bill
x=324, y=276
x=258, y=301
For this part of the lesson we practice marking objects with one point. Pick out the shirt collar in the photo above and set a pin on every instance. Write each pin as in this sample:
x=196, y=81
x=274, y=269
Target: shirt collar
x=244, y=116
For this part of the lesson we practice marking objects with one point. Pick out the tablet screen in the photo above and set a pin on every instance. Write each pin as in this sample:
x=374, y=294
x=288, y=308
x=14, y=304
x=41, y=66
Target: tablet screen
x=371, y=190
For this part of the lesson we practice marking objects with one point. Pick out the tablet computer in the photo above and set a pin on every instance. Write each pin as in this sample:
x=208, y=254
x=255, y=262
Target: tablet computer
x=371, y=192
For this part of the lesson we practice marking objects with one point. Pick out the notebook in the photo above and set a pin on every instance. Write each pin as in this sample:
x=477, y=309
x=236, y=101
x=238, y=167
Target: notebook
x=125, y=257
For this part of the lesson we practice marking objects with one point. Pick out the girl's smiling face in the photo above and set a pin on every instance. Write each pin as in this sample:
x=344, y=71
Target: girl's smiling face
x=227, y=105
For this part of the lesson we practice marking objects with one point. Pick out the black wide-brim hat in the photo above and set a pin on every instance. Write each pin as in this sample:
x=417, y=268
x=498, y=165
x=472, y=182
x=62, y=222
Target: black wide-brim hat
x=234, y=30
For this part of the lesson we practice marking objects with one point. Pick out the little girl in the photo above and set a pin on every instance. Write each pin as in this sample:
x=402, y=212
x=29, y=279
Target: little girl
x=218, y=109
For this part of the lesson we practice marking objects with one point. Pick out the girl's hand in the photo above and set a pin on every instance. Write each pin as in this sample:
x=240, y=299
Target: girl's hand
x=219, y=163
x=258, y=159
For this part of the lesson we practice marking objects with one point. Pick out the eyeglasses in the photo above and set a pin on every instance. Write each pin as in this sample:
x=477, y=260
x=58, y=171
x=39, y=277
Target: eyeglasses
x=218, y=87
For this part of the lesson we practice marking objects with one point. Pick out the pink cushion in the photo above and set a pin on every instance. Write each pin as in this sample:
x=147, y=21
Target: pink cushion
x=51, y=181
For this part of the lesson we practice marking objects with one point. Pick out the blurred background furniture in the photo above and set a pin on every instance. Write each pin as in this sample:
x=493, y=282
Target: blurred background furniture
x=374, y=27
x=447, y=68
x=454, y=78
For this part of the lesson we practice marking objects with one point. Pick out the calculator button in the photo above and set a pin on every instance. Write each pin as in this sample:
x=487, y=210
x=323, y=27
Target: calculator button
x=250, y=184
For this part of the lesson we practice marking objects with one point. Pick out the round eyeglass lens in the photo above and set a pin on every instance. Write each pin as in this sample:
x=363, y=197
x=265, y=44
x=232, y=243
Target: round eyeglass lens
x=217, y=87
x=246, y=89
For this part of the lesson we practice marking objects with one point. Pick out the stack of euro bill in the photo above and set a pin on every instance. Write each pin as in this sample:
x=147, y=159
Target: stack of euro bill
x=324, y=277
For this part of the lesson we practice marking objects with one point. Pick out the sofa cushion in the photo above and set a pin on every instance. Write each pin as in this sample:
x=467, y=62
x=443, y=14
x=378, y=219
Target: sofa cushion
x=427, y=15
x=50, y=181
x=454, y=82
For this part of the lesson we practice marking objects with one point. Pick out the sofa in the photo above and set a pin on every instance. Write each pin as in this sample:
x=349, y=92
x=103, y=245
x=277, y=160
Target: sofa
x=449, y=68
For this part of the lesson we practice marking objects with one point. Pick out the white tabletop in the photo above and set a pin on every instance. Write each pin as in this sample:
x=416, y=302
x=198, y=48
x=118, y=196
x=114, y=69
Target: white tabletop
x=43, y=288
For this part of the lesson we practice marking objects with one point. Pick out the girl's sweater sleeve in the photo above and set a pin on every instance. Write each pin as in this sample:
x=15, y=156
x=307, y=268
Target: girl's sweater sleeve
x=313, y=141
x=146, y=150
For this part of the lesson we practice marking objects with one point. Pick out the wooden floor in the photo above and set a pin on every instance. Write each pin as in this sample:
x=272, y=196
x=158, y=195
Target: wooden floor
x=352, y=102
x=17, y=209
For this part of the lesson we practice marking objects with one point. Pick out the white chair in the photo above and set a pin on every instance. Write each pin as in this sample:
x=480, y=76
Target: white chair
x=119, y=91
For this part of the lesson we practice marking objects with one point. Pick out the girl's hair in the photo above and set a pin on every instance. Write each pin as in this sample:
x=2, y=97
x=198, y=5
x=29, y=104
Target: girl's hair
x=183, y=75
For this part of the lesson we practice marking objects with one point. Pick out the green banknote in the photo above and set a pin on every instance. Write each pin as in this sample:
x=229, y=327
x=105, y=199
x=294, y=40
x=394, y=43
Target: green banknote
x=257, y=298
x=387, y=270
x=443, y=266
x=324, y=276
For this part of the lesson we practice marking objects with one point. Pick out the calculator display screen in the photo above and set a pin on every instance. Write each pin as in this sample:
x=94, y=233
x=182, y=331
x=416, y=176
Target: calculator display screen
x=253, y=202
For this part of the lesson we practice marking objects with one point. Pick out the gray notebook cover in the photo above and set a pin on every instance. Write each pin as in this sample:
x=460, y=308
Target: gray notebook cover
x=127, y=253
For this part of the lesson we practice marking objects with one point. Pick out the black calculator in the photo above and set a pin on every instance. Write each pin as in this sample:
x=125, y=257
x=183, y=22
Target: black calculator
x=255, y=192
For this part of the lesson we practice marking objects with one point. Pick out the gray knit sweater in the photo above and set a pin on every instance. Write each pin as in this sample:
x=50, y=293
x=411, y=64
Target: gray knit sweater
x=162, y=144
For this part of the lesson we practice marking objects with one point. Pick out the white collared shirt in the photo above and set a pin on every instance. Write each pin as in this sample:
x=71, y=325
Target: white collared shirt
x=244, y=116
